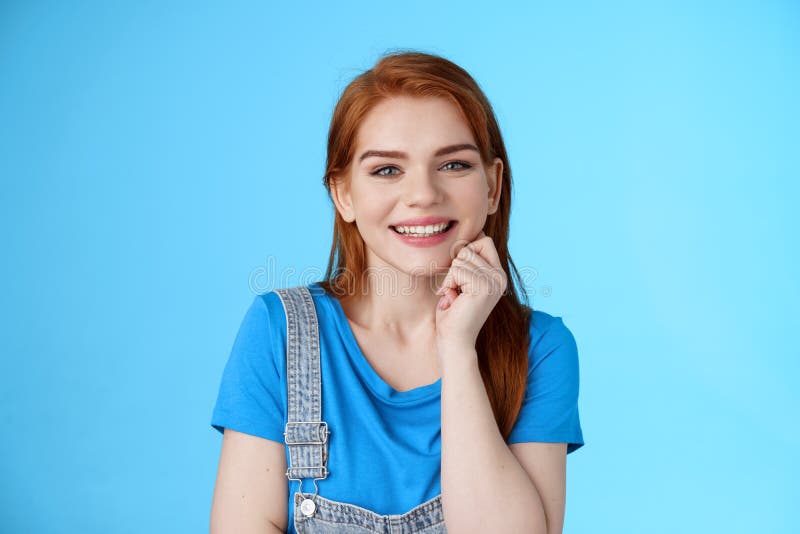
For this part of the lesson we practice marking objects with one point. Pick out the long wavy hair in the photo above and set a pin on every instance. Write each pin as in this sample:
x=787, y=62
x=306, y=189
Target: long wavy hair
x=502, y=344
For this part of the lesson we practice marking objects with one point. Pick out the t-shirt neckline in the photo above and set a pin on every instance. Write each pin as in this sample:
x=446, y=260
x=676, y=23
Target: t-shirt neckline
x=373, y=380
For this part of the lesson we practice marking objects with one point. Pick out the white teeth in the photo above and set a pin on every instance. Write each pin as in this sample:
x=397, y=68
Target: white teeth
x=422, y=231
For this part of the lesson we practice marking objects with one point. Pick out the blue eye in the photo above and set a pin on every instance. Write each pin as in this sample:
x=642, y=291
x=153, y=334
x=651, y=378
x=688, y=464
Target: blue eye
x=463, y=164
x=379, y=173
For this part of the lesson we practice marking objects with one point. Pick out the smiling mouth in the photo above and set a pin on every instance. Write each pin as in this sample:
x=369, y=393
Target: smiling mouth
x=423, y=231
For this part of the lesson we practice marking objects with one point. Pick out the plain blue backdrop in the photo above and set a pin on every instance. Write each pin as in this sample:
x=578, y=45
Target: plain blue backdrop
x=162, y=161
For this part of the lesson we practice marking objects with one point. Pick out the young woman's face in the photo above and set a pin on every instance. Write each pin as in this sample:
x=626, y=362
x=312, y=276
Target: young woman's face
x=416, y=163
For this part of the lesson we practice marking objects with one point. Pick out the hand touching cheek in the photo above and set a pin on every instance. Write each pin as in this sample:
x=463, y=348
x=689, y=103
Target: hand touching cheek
x=470, y=290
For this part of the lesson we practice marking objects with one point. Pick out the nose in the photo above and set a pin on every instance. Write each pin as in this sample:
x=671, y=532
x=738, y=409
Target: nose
x=421, y=189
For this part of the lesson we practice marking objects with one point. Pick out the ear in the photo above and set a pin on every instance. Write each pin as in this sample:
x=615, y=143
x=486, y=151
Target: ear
x=340, y=193
x=494, y=177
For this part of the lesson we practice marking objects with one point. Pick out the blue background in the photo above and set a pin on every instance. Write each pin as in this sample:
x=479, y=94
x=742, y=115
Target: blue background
x=162, y=161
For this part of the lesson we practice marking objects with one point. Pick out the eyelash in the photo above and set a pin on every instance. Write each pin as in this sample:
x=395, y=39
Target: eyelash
x=377, y=171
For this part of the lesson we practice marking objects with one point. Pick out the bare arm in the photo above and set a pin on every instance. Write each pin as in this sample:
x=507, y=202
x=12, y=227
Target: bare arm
x=546, y=464
x=251, y=492
x=485, y=486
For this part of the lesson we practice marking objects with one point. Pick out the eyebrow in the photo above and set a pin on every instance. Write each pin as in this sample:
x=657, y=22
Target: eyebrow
x=402, y=155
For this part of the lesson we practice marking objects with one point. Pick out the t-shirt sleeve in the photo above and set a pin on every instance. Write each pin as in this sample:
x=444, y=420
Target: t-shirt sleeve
x=549, y=410
x=251, y=398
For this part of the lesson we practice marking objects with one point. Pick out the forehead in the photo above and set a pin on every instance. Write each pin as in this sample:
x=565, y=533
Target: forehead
x=413, y=124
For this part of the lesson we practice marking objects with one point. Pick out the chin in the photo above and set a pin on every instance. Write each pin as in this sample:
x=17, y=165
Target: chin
x=427, y=269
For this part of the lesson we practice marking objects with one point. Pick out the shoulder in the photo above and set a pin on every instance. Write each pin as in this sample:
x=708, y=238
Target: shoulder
x=269, y=305
x=269, y=308
x=550, y=408
x=265, y=312
x=542, y=323
x=272, y=303
x=549, y=335
x=262, y=330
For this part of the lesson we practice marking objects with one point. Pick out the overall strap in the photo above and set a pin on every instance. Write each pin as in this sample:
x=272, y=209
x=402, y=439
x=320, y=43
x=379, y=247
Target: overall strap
x=306, y=434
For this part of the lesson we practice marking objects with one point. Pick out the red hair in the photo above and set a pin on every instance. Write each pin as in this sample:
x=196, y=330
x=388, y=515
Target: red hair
x=502, y=344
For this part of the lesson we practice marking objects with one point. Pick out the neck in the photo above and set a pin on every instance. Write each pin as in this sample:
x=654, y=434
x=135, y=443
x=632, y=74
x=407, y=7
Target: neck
x=396, y=303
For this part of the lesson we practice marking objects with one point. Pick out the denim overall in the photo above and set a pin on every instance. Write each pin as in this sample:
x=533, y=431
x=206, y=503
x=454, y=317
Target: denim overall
x=306, y=436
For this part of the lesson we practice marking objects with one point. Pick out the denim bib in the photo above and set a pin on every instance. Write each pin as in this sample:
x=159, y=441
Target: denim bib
x=306, y=436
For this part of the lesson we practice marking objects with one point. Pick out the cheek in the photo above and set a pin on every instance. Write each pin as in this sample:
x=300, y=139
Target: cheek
x=373, y=205
x=472, y=200
x=374, y=213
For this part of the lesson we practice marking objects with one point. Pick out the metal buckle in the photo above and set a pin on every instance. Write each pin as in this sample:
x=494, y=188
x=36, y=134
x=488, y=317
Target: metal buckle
x=323, y=425
x=324, y=470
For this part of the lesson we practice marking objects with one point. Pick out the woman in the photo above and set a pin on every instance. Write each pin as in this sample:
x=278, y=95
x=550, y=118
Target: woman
x=421, y=391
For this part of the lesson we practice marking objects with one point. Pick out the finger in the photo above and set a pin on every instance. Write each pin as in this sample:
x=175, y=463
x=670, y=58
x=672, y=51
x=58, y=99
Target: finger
x=483, y=273
x=470, y=260
x=448, y=298
x=447, y=283
x=494, y=276
x=467, y=253
x=485, y=248
x=461, y=243
x=465, y=276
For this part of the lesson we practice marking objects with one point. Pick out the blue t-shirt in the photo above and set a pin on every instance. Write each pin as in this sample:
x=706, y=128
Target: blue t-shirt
x=384, y=445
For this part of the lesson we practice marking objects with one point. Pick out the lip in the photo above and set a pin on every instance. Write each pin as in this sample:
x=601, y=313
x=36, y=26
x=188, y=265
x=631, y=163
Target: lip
x=422, y=221
x=426, y=241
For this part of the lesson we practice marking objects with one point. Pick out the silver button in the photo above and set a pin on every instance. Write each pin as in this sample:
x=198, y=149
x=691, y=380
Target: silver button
x=308, y=507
